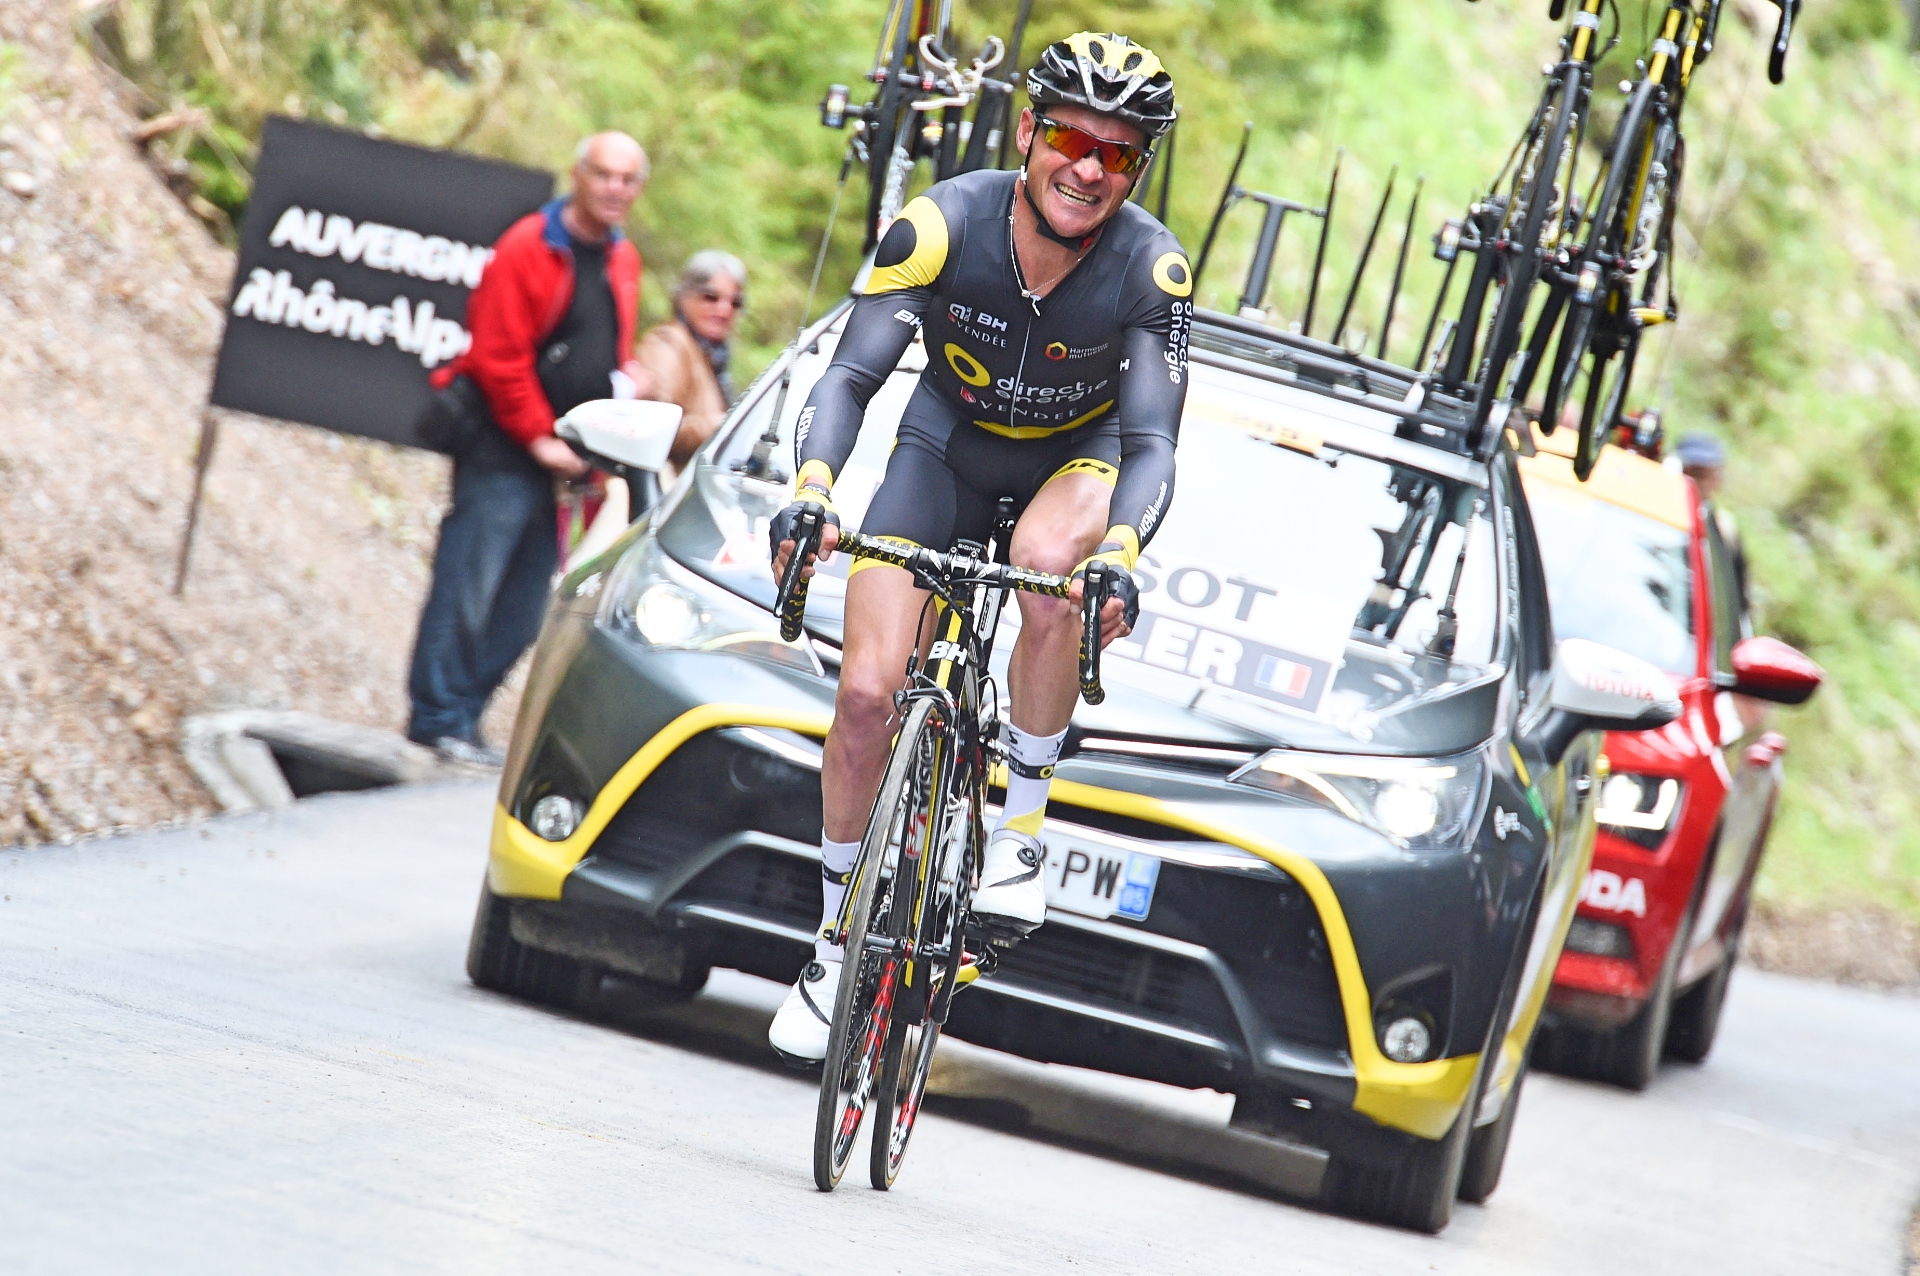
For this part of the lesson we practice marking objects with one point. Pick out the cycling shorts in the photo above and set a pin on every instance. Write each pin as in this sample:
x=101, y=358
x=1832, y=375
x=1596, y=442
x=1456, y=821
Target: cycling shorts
x=946, y=475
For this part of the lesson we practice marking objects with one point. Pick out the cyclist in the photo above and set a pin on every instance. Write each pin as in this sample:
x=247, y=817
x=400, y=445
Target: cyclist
x=1055, y=316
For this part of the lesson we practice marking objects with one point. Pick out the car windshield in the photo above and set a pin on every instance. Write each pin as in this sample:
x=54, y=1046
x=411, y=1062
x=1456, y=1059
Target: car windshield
x=1615, y=576
x=1311, y=580
x=1300, y=590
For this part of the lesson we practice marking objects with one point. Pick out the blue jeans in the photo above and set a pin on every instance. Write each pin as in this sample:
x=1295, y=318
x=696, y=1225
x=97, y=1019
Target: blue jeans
x=491, y=574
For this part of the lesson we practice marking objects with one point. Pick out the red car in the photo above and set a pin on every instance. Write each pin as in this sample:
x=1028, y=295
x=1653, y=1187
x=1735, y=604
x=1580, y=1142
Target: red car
x=1635, y=561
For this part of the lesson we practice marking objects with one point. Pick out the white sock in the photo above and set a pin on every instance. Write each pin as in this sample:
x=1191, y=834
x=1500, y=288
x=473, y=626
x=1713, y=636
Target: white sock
x=836, y=863
x=1026, y=806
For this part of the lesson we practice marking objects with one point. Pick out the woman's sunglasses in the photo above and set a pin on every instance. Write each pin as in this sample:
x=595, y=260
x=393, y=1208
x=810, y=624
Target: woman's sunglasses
x=716, y=298
x=1076, y=144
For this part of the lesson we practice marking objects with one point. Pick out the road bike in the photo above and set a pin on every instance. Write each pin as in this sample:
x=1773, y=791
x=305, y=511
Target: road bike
x=1521, y=219
x=919, y=108
x=906, y=928
x=1614, y=279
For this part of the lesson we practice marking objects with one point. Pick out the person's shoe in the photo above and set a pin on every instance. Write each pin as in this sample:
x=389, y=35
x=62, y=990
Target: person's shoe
x=1012, y=894
x=804, y=1021
x=452, y=748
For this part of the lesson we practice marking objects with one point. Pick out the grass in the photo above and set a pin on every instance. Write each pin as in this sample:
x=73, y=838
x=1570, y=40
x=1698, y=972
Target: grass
x=1799, y=271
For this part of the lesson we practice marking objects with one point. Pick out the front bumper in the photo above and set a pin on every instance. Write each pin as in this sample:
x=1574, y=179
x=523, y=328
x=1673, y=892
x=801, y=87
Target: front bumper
x=1235, y=980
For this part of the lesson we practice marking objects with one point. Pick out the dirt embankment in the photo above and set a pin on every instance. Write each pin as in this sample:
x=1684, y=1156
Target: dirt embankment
x=313, y=550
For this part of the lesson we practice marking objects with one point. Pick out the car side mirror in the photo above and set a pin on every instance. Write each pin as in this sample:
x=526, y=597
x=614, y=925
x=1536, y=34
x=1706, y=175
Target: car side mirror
x=1599, y=688
x=1768, y=669
x=622, y=436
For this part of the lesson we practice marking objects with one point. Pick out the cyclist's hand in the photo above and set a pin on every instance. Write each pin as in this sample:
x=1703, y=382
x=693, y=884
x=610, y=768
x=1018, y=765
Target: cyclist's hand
x=1122, y=607
x=780, y=531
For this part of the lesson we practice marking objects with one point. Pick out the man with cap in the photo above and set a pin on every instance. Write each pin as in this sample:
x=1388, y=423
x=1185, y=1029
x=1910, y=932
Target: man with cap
x=1703, y=459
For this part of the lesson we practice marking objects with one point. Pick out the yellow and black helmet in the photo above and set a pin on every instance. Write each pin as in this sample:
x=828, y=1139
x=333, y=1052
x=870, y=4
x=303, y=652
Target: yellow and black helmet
x=1105, y=73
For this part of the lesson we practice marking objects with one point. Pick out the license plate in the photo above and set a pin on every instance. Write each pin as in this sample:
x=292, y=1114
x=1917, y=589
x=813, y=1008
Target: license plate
x=1095, y=880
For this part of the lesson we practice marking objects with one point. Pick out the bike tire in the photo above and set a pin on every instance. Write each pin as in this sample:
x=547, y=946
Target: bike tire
x=909, y=1057
x=1609, y=225
x=1575, y=335
x=1586, y=453
x=1509, y=317
x=903, y=1086
x=888, y=109
x=863, y=1006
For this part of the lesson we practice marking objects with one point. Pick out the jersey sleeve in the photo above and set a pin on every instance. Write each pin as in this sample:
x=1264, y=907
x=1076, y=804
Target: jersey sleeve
x=1157, y=312
x=884, y=321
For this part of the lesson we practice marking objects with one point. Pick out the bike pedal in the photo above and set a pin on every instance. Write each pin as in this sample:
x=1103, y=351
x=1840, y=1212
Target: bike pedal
x=798, y=1064
x=999, y=932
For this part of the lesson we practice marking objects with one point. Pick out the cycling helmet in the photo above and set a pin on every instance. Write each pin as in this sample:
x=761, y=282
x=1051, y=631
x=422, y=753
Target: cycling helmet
x=1106, y=73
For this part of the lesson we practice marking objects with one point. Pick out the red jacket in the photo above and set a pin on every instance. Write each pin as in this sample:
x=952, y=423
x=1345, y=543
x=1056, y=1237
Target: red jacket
x=522, y=297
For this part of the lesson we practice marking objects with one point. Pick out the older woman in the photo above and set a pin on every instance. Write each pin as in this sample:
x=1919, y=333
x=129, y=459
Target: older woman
x=688, y=354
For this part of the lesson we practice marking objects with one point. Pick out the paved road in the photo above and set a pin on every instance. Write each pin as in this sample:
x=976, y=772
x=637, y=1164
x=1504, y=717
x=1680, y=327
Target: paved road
x=250, y=1046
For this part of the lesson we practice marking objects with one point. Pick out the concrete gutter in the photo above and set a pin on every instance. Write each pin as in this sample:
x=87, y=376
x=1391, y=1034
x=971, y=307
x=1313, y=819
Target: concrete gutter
x=253, y=759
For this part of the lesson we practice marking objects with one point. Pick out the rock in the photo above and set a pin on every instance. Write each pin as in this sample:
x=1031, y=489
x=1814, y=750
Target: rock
x=21, y=184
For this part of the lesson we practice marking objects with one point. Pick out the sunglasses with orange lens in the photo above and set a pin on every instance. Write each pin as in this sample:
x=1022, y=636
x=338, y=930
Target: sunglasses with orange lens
x=1076, y=144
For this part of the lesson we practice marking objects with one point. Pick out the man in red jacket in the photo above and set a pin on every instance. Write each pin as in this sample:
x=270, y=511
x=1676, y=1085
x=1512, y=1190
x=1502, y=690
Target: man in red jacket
x=552, y=321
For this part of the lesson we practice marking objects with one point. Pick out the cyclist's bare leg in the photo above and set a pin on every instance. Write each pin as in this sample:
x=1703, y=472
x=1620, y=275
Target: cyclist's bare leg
x=1061, y=528
x=884, y=607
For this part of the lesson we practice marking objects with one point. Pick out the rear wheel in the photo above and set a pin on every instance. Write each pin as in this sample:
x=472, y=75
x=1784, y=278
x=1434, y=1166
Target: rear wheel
x=870, y=981
x=1487, y=1146
x=903, y=1084
x=496, y=960
x=909, y=1057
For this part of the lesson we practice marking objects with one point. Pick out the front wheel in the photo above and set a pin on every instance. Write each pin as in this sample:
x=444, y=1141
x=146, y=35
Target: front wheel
x=1543, y=182
x=1415, y=1189
x=1695, y=1021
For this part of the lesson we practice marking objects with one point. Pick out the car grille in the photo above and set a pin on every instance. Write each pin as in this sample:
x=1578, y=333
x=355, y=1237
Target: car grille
x=1109, y=972
x=781, y=886
x=713, y=785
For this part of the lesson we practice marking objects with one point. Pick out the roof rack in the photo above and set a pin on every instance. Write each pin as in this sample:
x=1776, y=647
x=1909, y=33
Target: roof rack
x=1432, y=406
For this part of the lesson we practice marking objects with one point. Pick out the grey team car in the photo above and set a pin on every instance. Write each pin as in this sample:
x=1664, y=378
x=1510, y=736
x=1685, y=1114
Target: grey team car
x=1319, y=848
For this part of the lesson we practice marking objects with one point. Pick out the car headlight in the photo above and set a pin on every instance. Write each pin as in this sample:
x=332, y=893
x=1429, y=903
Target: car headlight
x=657, y=603
x=1640, y=808
x=1412, y=802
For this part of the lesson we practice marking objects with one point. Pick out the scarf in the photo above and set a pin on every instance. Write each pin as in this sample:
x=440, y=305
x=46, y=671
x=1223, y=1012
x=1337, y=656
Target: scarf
x=718, y=354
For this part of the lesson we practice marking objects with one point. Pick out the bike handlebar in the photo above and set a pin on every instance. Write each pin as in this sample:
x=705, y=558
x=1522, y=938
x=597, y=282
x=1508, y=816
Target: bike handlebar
x=1782, y=37
x=946, y=570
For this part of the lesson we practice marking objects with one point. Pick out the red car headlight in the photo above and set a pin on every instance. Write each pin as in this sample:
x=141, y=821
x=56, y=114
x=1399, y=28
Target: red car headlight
x=1640, y=808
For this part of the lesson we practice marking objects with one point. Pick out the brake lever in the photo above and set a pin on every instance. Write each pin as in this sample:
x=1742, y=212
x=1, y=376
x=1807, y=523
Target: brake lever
x=1093, y=599
x=791, y=605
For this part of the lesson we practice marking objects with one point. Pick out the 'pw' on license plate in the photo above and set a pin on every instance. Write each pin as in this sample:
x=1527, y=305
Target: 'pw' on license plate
x=1092, y=879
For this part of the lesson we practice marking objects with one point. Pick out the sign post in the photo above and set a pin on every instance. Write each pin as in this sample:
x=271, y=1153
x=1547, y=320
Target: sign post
x=356, y=258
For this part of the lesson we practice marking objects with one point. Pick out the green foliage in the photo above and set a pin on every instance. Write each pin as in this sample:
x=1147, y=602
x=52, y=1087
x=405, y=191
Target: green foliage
x=720, y=91
x=1799, y=271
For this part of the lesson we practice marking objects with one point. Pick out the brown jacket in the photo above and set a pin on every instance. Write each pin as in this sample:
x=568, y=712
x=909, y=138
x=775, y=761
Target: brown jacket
x=682, y=375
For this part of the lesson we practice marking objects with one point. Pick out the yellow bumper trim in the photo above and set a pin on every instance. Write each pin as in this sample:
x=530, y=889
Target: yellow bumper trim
x=526, y=866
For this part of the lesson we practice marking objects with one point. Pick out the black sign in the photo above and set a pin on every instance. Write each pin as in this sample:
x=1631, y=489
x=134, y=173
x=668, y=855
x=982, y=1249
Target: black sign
x=356, y=257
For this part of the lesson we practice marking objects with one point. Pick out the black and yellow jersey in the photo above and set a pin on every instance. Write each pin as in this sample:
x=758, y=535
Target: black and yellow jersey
x=1106, y=347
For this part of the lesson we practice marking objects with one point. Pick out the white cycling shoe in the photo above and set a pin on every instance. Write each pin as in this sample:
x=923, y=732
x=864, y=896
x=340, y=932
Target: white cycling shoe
x=1012, y=893
x=800, y=1029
